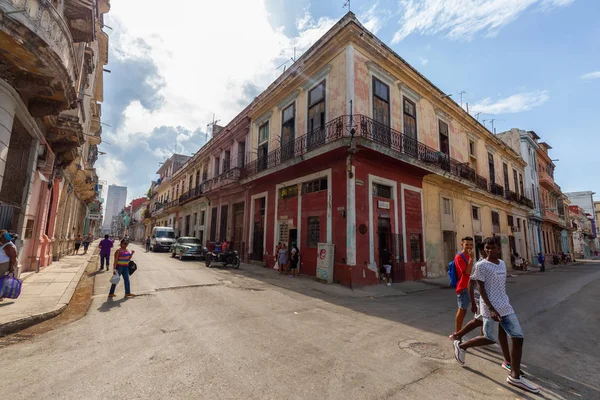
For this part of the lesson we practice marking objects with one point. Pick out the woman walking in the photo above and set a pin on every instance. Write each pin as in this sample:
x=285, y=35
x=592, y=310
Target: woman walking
x=8, y=254
x=121, y=267
x=78, y=241
x=283, y=259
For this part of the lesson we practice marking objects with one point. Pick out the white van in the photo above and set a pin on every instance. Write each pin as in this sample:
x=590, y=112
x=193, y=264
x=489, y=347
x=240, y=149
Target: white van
x=163, y=237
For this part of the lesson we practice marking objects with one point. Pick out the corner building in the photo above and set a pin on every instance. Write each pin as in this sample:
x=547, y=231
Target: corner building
x=351, y=146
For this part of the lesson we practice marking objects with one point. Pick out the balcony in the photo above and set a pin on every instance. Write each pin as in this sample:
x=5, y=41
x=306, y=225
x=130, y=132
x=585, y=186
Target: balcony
x=171, y=205
x=547, y=182
x=552, y=217
x=38, y=57
x=512, y=196
x=367, y=130
x=157, y=209
x=223, y=180
x=192, y=194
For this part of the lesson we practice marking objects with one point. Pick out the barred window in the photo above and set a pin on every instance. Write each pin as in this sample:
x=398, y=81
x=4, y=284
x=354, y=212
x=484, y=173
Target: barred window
x=447, y=206
x=495, y=218
x=475, y=211
x=382, y=191
x=314, y=186
x=283, y=232
x=415, y=248
x=313, y=232
x=289, y=191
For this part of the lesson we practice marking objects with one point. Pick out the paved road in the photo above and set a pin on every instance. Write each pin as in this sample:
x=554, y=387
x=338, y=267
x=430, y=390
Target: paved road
x=221, y=334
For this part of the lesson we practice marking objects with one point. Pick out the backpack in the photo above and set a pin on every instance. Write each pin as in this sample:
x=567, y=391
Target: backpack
x=452, y=275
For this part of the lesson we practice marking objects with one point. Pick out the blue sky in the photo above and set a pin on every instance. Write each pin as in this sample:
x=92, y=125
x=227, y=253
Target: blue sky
x=529, y=64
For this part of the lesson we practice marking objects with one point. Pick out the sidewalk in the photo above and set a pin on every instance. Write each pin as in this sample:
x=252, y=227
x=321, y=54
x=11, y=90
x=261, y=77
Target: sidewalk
x=307, y=283
x=45, y=294
x=550, y=266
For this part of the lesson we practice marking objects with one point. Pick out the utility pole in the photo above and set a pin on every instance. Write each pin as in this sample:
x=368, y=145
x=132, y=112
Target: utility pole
x=347, y=4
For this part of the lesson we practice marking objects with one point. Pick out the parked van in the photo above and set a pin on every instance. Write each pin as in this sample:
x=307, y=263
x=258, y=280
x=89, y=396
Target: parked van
x=163, y=237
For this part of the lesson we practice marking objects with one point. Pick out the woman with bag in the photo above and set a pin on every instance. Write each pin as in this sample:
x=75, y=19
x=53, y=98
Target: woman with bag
x=121, y=268
x=8, y=255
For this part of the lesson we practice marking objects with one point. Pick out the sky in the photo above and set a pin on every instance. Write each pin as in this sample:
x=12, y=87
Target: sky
x=528, y=64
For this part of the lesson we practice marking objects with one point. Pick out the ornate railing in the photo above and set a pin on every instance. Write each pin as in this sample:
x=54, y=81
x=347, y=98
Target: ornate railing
x=172, y=204
x=496, y=189
x=191, y=194
x=333, y=130
x=226, y=178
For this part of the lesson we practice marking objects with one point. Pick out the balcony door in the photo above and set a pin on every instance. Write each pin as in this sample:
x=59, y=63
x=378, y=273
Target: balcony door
x=316, y=117
x=288, y=132
x=263, y=146
x=491, y=168
x=409, y=142
x=381, y=112
x=444, y=145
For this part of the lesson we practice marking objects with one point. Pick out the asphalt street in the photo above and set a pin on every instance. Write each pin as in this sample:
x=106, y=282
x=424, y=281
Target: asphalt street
x=199, y=333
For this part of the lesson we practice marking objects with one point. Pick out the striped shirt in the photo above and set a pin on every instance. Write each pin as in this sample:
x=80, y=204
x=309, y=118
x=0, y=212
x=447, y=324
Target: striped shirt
x=124, y=257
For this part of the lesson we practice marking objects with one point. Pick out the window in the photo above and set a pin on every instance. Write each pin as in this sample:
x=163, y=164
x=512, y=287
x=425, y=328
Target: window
x=263, y=146
x=198, y=178
x=491, y=168
x=475, y=213
x=472, y=149
x=314, y=186
x=227, y=161
x=217, y=166
x=287, y=192
x=444, y=141
x=519, y=223
x=205, y=173
x=410, y=119
x=313, y=232
x=515, y=181
x=511, y=220
x=316, y=116
x=495, y=218
x=191, y=182
x=202, y=217
x=288, y=132
x=506, y=179
x=447, y=204
x=241, y=154
x=195, y=219
x=283, y=232
x=521, y=186
x=415, y=248
x=382, y=191
x=381, y=102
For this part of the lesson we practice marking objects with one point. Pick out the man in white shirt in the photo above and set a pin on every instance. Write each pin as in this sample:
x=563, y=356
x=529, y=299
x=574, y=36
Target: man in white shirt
x=496, y=310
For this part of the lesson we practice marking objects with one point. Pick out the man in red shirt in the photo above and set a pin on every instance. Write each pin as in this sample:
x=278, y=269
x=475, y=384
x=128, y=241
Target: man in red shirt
x=464, y=265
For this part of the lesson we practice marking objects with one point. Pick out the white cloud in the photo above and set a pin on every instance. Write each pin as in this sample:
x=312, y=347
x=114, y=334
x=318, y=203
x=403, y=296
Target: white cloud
x=423, y=60
x=374, y=18
x=205, y=63
x=462, y=19
x=511, y=104
x=591, y=75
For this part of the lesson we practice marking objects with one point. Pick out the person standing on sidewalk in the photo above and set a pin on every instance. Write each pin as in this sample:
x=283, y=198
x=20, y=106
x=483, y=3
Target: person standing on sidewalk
x=78, y=241
x=497, y=312
x=294, y=259
x=148, y=244
x=121, y=267
x=86, y=243
x=464, y=265
x=8, y=254
x=106, y=246
x=542, y=261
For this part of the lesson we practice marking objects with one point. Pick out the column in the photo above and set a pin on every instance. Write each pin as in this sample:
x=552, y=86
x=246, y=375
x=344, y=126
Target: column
x=8, y=107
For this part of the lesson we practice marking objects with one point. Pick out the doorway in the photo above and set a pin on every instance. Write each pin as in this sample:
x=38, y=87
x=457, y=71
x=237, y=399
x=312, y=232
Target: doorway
x=293, y=233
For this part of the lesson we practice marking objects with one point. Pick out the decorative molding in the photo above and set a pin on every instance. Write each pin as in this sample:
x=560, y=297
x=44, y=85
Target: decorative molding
x=472, y=137
x=408, y=92
x=289, y=99
x=490, y=149
x=381, y=73
x=443, y=115
x=263, y=118
x=316, y=78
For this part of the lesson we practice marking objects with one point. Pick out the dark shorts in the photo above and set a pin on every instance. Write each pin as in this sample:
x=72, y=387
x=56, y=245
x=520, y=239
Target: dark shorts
x=293, y=265
x=86, y=245
x=77, y=246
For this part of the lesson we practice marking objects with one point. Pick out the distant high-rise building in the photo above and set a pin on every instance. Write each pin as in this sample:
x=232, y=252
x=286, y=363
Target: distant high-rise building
x=116, y=199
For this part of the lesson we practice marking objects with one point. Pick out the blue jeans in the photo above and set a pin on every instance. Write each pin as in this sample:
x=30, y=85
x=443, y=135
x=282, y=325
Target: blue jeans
x=463, y=299
x=124, y=272
x=103, y=258
x=510, y=324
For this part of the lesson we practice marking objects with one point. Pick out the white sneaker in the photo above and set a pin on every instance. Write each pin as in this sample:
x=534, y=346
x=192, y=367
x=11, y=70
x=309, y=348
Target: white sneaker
x=389, y=284
x=459, y=353
x=523, y=384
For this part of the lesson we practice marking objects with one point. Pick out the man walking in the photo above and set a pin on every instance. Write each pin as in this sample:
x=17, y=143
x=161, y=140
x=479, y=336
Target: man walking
x=148, y=244
x=106, y=246
x=463, y=262
x=542, y=261
x=496, y=311
x=386, y=262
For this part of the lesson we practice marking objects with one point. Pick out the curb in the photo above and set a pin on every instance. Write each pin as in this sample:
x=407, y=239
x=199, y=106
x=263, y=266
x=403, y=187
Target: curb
x=24, y=323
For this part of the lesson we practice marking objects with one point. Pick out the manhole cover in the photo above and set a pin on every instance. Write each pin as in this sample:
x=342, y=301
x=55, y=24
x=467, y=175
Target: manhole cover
x=427, y=350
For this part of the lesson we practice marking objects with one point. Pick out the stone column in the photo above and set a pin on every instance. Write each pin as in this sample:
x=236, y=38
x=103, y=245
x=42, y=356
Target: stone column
x=8, y=106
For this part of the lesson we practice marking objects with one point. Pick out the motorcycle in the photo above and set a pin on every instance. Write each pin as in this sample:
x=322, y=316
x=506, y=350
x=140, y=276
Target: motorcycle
x=229, y=257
